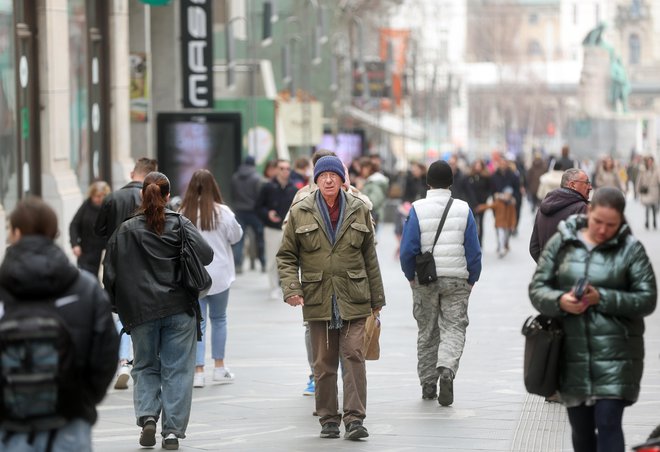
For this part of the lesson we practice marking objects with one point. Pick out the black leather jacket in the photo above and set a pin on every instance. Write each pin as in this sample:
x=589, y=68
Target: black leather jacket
x=117, y=207
x=35, y=268
x=141, y=270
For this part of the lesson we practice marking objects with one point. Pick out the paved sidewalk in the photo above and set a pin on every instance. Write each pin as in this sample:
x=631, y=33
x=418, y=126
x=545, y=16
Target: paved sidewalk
x=264, y=410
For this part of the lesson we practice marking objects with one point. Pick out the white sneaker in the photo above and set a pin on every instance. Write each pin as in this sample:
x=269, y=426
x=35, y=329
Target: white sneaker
x=122, y=377
x=222, y=375
x=199, y=380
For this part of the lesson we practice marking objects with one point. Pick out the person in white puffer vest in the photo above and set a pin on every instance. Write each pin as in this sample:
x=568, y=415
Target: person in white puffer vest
x=440, y=308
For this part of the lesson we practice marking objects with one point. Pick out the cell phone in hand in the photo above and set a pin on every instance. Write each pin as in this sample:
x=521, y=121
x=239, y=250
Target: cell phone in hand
x=580, y=287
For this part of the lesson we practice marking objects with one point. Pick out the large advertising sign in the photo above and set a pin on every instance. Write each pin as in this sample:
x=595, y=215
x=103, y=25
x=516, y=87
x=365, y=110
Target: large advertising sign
x=197, y=53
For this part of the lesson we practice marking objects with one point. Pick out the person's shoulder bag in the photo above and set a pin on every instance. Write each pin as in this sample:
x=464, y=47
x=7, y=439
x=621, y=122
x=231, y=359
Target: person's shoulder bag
x=543, y=342
x=425, y=263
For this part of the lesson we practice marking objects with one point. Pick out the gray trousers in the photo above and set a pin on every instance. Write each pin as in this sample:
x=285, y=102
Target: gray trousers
x=440, y=309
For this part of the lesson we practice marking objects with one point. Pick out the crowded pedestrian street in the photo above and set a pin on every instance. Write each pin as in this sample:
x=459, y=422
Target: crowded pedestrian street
x=264, y=409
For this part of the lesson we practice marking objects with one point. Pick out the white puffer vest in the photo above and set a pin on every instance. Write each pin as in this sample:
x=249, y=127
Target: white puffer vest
x=449, y=252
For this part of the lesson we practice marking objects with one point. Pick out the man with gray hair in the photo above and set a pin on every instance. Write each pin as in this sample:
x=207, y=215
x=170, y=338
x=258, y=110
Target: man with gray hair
x=570, y=198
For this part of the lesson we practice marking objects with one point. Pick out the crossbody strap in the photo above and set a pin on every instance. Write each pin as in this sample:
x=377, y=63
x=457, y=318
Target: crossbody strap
x=442, y=223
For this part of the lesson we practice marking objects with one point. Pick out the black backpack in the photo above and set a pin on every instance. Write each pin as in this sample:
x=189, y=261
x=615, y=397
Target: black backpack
x=37, y=366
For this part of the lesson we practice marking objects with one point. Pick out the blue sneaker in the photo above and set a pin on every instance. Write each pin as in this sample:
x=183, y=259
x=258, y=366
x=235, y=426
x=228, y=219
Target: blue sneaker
x=311, y=387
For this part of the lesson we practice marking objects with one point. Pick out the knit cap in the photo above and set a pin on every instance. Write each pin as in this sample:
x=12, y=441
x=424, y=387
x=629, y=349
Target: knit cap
x=329, y=163
x=439, y=175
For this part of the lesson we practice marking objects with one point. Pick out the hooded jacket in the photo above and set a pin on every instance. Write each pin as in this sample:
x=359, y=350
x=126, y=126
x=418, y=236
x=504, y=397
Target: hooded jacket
x=558, y=205
x=142, y=270
x=603, y=348
x=35, y=268
x=245, y=186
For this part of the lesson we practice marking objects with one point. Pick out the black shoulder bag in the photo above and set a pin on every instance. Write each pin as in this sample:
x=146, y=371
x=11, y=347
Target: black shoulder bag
x=543, y=342
x=194, y=277
x=425, y=263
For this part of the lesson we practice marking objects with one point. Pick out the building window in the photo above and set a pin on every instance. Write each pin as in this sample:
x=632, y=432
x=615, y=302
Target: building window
x=636, y=8
x=597, y=13
x=634, y=49
x=533, y=18
x=534, y=48
x=8, y=151
x=575, y=13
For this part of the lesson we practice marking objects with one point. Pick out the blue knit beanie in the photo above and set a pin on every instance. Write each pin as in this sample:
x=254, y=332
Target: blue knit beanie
x=329, y=163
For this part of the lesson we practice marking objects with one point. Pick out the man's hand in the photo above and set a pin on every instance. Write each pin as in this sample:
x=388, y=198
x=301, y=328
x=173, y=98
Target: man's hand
x=77, y=251
x=295, y=300
x=273, y=216
x=412, y=283
x=376, y=310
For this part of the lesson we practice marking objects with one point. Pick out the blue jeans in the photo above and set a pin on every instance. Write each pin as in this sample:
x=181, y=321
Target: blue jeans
x=249, y=219
x=163, y=367
x=125, y=341
x=76, y=435
x=605, y=417
x=214, y=307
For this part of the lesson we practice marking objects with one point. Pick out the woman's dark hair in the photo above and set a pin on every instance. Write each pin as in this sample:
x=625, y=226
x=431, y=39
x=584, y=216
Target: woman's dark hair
x=32, y=216
x=609, y=197
x=155, y=188
x=202, y=193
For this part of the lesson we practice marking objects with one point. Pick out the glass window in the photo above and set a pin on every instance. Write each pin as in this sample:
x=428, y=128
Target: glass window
x=634, y=49
x=533, y=18
x=8, y=157
x=78, y=94
x=534, y=48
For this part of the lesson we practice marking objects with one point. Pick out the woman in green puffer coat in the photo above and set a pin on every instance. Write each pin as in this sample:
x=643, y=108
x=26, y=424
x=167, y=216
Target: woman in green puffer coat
x=603, y=350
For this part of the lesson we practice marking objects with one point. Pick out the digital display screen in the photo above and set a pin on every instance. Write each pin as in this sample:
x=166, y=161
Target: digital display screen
x=188, y=142
x=346, y=145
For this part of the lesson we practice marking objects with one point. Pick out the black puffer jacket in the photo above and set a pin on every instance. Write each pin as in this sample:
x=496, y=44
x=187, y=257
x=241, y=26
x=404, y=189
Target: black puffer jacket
x=558, y=205
x=603, y=348
x=34, y=269
x=142, y=271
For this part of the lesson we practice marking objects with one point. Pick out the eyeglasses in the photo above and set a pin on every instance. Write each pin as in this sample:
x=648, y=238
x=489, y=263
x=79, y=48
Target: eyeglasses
x=285, y=168
x=588, y=182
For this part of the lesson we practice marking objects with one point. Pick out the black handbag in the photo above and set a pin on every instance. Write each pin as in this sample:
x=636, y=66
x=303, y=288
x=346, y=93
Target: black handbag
x=543, y=342
x=194, y=276
x=425, y=263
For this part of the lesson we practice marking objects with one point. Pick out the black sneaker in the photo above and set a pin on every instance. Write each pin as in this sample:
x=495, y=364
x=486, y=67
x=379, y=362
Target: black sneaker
x=170, y=442
x=330, y=430
x=429, y=391
x=355, y=430
x=446, y=396
x=148, y=434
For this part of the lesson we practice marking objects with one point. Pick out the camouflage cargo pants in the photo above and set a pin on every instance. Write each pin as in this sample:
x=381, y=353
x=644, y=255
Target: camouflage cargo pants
x=440, y=309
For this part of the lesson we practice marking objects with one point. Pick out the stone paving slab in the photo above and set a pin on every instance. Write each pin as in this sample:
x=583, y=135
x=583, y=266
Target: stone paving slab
x=265, y=411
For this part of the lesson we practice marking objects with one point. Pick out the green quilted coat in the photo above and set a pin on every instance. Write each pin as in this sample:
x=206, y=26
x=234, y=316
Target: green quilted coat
x=309, y=265
x=603, y=349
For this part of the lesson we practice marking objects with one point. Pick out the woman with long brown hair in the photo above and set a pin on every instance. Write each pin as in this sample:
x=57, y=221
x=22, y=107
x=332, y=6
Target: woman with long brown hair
x=202, y=204
x=143, y=277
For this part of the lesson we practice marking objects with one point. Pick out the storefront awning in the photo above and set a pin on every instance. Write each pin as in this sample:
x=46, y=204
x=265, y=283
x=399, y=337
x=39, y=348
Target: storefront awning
x=387, y=122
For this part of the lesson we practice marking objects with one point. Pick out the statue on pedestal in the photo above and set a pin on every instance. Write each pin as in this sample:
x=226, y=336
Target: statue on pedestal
x=619, y=88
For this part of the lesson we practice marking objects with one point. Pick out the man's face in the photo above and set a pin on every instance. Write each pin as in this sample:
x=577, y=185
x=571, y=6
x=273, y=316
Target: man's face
x=329, y=183
x=581, y=185
x=283, y=171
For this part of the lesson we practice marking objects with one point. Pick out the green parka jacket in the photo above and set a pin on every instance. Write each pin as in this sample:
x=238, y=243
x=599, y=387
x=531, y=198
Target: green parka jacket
x=603, y=348
x=349, y=268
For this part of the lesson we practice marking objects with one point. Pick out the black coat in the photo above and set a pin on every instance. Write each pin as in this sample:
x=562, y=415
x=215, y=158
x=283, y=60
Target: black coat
x=117, y=207
x=558, y=205
x=275, y=197
x=35, y=269
x=81, y=233
x=142, y=272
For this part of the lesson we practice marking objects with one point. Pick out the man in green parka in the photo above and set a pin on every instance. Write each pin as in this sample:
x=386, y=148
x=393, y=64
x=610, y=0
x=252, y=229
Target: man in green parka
x=328, y=265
